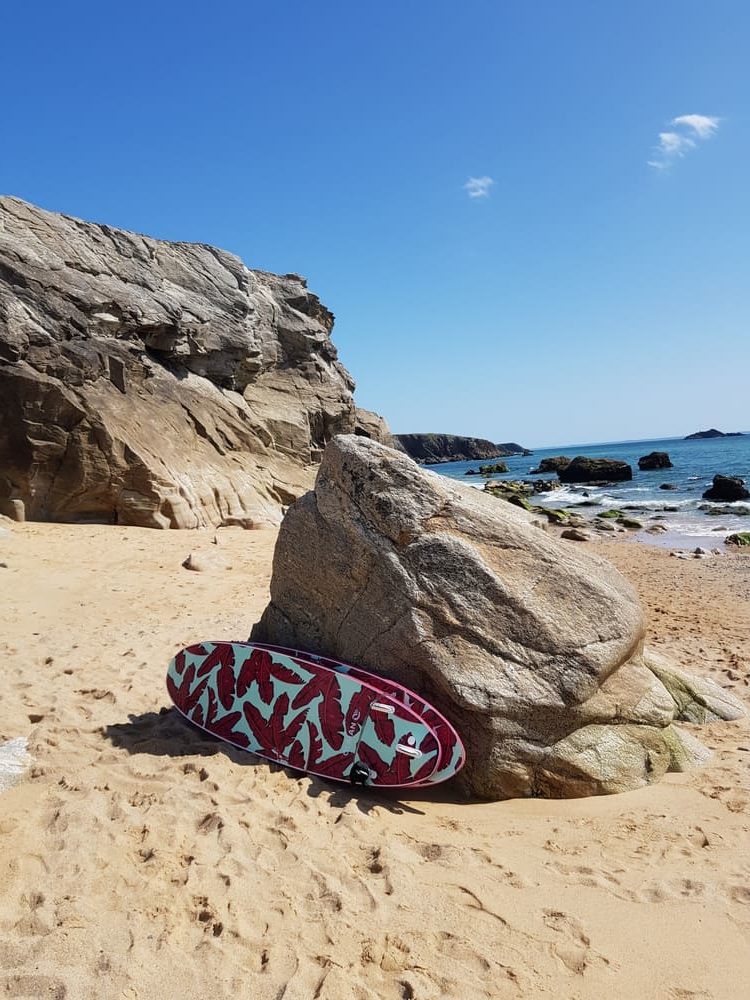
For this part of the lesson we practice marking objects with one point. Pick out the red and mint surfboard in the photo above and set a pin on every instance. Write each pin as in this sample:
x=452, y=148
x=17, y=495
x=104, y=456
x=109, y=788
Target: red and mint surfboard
x=315, y=714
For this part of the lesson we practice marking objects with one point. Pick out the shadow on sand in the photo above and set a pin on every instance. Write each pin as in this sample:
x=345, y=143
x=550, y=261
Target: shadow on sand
x=166, y=733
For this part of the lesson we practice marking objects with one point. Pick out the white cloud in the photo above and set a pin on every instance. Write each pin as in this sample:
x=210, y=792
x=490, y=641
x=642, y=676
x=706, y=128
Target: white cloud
x=478, y=187
x=704, y=126
x=686, y=131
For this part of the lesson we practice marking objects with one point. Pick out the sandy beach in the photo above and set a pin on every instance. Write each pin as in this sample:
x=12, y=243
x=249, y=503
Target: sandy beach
x=139, y=859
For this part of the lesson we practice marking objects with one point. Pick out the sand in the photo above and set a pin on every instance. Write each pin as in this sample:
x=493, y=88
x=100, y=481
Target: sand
x=138, y=859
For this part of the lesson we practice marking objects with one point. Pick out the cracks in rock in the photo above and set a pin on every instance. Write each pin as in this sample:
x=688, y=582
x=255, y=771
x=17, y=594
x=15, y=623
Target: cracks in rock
x=202, y=431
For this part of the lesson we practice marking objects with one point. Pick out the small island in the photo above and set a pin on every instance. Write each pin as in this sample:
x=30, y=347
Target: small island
x=712, y=433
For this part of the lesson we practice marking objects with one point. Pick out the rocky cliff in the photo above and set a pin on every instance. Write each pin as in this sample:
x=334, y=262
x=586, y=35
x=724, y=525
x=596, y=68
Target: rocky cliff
x=158, y=384
x=430, y=449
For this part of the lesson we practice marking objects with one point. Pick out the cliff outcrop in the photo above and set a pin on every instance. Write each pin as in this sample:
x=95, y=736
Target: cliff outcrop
x=158, y=384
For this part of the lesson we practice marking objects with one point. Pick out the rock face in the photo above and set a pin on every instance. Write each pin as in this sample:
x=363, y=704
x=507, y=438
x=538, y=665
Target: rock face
x=654, y=460
x=591, y=470
x=431, y=449
x=553, y=464
x=372, y=425
x=699, y=700
x=158, y=384
x=532, y=647
x=727, y=488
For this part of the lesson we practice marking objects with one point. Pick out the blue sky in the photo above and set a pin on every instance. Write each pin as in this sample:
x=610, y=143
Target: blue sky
x=596, y=289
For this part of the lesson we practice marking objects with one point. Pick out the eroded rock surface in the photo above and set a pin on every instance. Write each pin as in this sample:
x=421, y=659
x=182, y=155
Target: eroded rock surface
x=530, y=645
x=154, y=383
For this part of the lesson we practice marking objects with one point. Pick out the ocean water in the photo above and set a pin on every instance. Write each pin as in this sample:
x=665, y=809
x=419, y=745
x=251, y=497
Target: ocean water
x=695, y=464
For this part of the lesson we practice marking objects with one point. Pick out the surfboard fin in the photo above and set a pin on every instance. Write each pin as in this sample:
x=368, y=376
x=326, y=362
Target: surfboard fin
x=359, y=774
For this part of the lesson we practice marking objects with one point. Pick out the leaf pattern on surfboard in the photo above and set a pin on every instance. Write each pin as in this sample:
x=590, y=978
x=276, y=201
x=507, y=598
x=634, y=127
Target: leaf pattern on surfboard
x=179, y=663
x=211, y=707
x=384, y=728
x=260, y=666
x=225, y=683
x=197, y=650
x=258, y=726
x=281, y=735
x=334, y=766
x=326, y=684
x=175, y=690
x=225, y=727
x=195, y=695
x=296, y=756
x=357, y=710
x=181, y=695
x=308, y=712
x=397, y=773
x=314, y=745
x=197, y=715
x=221, y=655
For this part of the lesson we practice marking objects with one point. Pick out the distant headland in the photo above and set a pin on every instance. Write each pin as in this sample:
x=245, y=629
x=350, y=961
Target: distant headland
x=712, y=433
x=433, y=449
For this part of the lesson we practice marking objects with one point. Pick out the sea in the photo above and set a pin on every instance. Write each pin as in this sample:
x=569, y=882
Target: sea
x=694, y=465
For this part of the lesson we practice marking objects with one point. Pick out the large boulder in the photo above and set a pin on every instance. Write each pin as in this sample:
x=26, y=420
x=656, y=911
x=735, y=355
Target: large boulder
x=552, y=464
x=531, y=646
x=154, y=383
x=727, y=488
x=654, y=460
x=591, y=470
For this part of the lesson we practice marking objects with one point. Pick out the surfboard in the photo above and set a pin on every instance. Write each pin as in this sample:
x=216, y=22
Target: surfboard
x=314, y=714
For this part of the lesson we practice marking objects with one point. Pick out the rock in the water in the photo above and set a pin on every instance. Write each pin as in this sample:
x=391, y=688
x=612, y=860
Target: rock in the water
x=589, y=470
x=719, y=510
x=158, y=384
x=654, y=460
x=739, y=538
x=553, y=464
x=532, y=647
x=727, y=488
x=697, y=699
x=667, y=486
